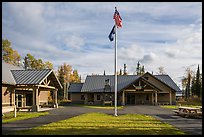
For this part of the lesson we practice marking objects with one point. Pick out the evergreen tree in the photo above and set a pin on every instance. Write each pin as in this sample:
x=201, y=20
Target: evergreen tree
x=61, y=79
x=139, y=70
x=142, y=70
x=188, y=87
x=198, y=83
x=104, y=73
x=120, y=73
x=193, y=86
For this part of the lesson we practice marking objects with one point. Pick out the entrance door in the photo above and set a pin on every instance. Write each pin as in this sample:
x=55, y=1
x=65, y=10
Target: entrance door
x=29, y=99
x=91, y=97
x=130, y=99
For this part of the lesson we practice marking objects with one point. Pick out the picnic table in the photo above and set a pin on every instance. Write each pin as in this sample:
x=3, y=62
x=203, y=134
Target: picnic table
x=188, y=112
x=29, y=108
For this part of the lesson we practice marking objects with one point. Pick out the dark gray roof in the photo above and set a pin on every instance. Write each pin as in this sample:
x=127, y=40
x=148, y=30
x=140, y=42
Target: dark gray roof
x=30, y=76
x=7, y=77
x=34, y=77
x=96, y=83
x=75, y=87
x=167, y=80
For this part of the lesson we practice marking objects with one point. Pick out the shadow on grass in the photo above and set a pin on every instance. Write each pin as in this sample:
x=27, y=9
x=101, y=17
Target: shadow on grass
x=99, y=131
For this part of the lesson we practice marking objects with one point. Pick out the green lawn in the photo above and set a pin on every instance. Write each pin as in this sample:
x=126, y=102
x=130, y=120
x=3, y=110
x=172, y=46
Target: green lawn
x=176, y=106
x=104, y=124
x=103, y=107
x=9, y=117
x=97, y=106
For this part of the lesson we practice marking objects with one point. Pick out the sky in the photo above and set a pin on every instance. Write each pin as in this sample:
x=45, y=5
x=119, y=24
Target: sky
x=167, y=34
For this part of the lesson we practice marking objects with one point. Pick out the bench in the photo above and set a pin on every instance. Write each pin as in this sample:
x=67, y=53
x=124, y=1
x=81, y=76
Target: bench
x=90, y=103
x=47, y=106
x=20, y=108
x=107, y=102
x=163, y=103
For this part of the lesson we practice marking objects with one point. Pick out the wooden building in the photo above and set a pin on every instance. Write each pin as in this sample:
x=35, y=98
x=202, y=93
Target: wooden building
x=132, y=90
x=28, y=88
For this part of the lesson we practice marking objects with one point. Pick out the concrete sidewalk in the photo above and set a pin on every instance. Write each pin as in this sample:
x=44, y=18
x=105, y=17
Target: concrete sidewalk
x=191, y=126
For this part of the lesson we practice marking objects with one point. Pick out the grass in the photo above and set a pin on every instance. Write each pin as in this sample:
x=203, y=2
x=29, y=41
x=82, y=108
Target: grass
x=103, y=107
x=176, y=106
x=9, y=117
x=96, y=106
x=104, y=124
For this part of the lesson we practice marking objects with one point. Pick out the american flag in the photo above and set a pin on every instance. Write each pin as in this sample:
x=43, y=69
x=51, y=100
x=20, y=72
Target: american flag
x=117, y=18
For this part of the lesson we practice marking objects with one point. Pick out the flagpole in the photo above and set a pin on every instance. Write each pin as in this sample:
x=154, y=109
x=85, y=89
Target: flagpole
x=115, y=70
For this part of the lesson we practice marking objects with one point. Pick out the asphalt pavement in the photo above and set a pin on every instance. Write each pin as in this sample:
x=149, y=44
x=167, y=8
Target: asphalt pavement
x=189, y=125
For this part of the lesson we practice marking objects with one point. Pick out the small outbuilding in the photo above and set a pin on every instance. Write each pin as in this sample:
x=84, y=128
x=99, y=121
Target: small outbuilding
x=28, y=88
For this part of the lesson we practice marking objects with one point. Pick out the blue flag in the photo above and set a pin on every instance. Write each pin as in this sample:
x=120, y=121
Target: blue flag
x=111, y=34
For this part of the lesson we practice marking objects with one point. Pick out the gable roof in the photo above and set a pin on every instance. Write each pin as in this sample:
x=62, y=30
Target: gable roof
x=144, y=80
x=96, y=83
x=7, y=77
x=168, y=81
x=75, y=87
x=34, y=77
x=30, y=76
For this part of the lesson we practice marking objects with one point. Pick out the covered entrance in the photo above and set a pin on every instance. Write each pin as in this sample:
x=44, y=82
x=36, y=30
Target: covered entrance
x=90, y=98
x=33, y=87
x=130, y=99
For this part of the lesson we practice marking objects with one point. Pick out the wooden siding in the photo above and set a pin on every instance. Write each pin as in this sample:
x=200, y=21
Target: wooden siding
x=7, y=95
x=43, y=97
x=76, y=98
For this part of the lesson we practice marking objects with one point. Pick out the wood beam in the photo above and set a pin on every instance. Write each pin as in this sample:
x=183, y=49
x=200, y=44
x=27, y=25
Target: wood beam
x=44, y=86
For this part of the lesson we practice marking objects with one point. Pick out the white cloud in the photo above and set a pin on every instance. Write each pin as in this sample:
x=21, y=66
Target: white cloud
x=157, y=34
x=132, y=52
x=27, y=17
x=149, y=58
x=74, y=42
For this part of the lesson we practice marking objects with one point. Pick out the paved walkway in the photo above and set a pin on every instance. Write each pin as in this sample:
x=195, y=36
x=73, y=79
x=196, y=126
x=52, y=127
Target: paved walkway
x=191, y=126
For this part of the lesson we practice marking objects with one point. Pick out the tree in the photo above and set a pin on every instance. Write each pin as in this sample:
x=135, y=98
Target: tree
x=34, y=63
x=184, y=83
x=142, y=70
x=104, y=73
x=65, y=76
x=48, y=65
x=31, y=61
x=8, y=54
x=139, y=70
x=61, y=79
x=161, y=70
x=75, y=77
x=67, y=72
x=187, y=81
x=193, y=86
x=120, y=72
x=187, y=95
x=198, y=83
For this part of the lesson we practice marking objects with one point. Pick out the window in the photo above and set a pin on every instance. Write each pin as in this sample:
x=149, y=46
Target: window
x=98, y=97
x=82, y=97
